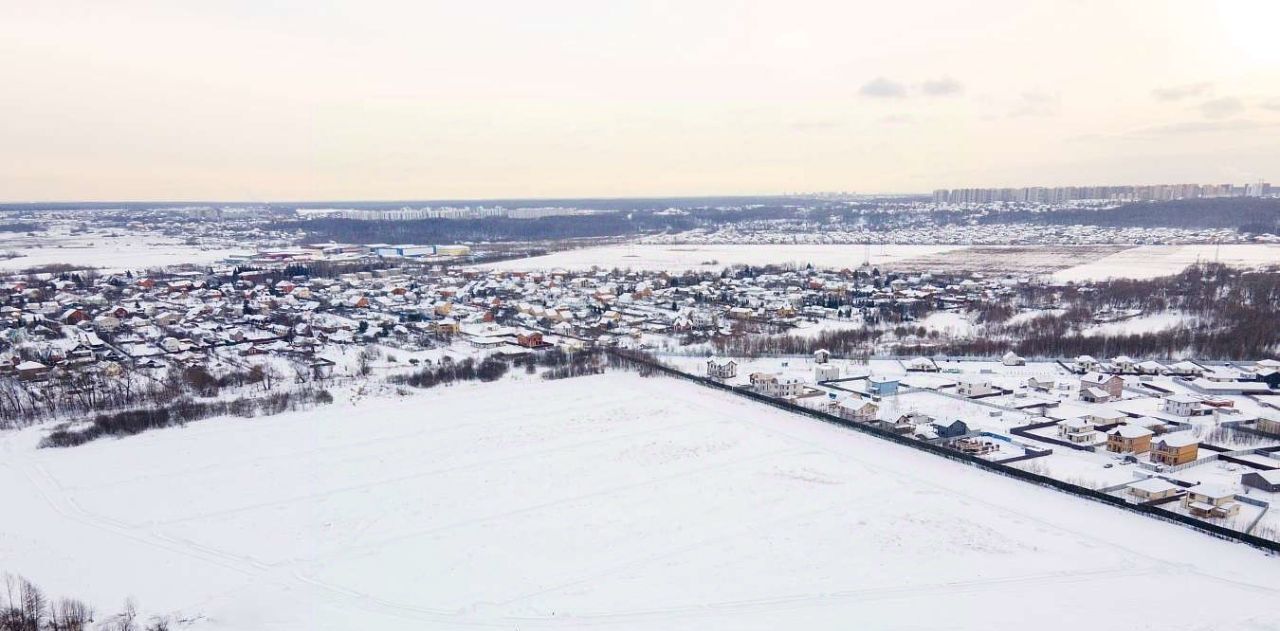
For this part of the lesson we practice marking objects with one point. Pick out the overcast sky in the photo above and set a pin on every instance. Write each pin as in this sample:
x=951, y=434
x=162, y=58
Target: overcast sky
x=273, y=100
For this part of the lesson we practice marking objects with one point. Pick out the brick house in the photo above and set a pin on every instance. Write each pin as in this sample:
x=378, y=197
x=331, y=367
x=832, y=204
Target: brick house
x=1112, y=385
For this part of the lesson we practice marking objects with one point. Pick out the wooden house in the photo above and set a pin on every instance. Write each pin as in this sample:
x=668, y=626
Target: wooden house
x=1129, y=439
x=1175, y=449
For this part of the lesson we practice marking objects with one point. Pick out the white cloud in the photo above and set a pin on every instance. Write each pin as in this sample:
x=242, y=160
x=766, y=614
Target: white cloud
x=1179, y=92
x=882, y=88
x=1036, y=104
x=946, y=86
x=1225, y=107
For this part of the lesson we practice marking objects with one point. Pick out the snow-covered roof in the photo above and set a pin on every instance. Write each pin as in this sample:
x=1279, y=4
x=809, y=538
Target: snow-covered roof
x=1179, y=439
x=1130, y=431
x=1211, y=490
x=1153, y=485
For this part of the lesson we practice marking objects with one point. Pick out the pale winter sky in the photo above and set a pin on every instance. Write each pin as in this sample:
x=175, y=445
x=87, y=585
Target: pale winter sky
x=416, y=99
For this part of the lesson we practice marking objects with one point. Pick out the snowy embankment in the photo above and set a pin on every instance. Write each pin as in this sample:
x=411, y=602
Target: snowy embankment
x=612, y=501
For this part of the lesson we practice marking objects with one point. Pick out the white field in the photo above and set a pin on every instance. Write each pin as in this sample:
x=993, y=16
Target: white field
x=1151, y=323
x=611, y=502
x=701, y=257
x=1152, y=261
x=111, y=254
x=1141, y=262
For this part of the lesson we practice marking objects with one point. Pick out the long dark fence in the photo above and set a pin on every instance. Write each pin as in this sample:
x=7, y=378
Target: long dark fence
x=1215, y=530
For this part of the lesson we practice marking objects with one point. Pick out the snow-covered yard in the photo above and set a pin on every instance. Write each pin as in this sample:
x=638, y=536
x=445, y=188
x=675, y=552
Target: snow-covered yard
x=611, y=501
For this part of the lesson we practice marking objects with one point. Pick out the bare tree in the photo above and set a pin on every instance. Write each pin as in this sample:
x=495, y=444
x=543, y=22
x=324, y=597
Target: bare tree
x=126, y=620
x=25, y=606
x=68, y=614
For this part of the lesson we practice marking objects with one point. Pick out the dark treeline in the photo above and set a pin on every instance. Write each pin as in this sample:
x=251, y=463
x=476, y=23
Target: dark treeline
x=20, y=226
x=130, y=422
x=1246, y=214
x=489, y=229
x=562, y=365
x=597, y=203
x=614, y=224
x=559, y=364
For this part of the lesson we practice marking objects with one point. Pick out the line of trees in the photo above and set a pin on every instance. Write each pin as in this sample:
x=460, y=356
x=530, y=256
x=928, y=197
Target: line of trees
x=129, y=422
x=88, y=390
x=1256, y=215
x=1226, y=313
x=559, y=365
x=322, y=230
x=25, y=607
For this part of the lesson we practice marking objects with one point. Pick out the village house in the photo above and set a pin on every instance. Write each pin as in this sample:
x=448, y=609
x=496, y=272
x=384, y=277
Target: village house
x=1040, y=385
x=1175, y=449
x=722, y=369
x=1129, y=439
x=772, y=385
x=1153, y=488
x=975, y=386
x=1181, y=405
x=31, y=370
x=826, y=372
x=882, y=386
x=1186, y=368
x=856, y=409
x=954, y=429
x=1211, y=500
x=1085, y=363
x=1096, y=387
x=909, y=423
x=1079, y=431
x=1124, y=363
x=1151, y=367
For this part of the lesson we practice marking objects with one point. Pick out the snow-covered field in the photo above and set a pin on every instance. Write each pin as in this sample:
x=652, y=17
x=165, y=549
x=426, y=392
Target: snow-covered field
x=1152, y=261
x=613, y=501
x=110, y=253
x=1140, y=262
x=1151, y=323
x=714, y=257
